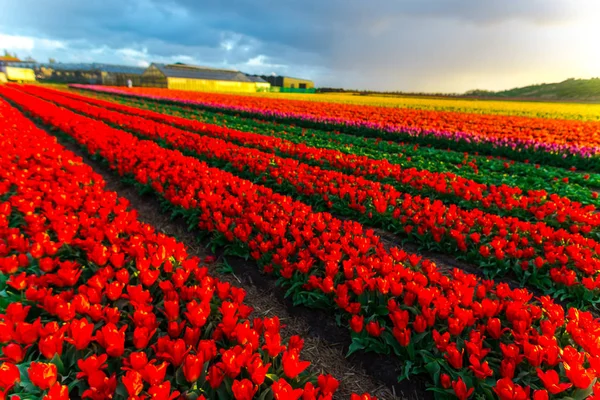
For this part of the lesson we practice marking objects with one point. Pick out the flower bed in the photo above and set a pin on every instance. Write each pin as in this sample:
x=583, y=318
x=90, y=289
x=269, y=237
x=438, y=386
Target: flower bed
x=502, y=200
x=465, y=332
x=556, y=261
x=97, y=305
x=483, y=169
x=557, y=142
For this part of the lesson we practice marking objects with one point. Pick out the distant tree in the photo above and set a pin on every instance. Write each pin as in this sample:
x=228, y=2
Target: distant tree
x=29, y=59
x=479, y=92
x=7, y=54
x=52, y=61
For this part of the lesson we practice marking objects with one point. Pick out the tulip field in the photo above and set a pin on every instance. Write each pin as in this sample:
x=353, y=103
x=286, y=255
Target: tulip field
x=340, y=204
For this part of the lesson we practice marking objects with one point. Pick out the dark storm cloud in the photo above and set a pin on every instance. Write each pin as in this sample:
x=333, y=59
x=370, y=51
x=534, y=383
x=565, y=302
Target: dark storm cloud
x=337, y=41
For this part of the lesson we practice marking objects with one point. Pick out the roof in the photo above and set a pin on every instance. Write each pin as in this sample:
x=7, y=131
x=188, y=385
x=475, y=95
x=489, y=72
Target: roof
x=256, y=78
x=120, y=69
x=9, y=59
x=197, y=72
x=298, y=79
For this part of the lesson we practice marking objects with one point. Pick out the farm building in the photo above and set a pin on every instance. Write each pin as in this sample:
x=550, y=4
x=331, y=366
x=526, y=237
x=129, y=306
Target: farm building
x=99, y=74
x=94, y=73
x=197, y=78
x=15, y=72
x=261, y=84
x=288, y=84
x=4, y=59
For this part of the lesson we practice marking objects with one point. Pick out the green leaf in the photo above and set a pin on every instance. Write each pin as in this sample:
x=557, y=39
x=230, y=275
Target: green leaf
x=59, y=364
x=180, y=378
x=406, y=371
x=581, y=394
x=121, y=391
x=266, y=395
x=356, y=345
x=433, y=368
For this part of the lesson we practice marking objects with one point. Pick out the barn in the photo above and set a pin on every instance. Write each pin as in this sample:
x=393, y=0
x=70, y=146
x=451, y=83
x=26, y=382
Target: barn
x=196, y=78
x=13, y=70
x=12, y=73
x=94, y=73
x=261, y=84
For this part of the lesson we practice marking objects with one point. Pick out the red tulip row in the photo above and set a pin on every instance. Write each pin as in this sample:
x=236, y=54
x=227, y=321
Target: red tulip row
x=548, y=258
x=96, y=304
x=470, y=334
x=505, y=200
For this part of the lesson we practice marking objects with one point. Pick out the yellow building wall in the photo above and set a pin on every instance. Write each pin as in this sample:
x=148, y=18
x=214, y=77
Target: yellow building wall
x=202, y=85
x=288, y=82
x=3, y=77
x=263, y=86
x=20, y=74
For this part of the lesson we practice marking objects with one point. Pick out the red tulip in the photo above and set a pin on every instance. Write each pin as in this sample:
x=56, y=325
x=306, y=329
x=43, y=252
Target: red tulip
x=132, y=380
x=42, y=375
x=51, y=345
x=137, y=360
x=494, y=328
x=579, y=376
x=481, y=370
x=142, y=336
x=193, y=365
x=356, y=323
x=243, y=390
x=155, y=373
x=374, y=329
x=14, y=352
x=550, y=379
x=80, y=333
x=282, y=390
x=9, y=375
x=445, y=381
x=163, y=391
x=540, y=395
x=506, y=389
x=327, y=384
x=454, y=357
x=57, y=392
x=292, y=365
x=216, y=374
x=460, y=389
x=112, y=339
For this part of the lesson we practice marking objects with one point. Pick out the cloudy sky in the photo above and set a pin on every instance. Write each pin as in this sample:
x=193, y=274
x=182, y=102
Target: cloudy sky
x=410, y=45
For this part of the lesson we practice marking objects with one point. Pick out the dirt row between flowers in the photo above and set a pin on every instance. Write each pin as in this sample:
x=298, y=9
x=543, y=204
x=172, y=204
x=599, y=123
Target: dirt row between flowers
x=325, y=343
